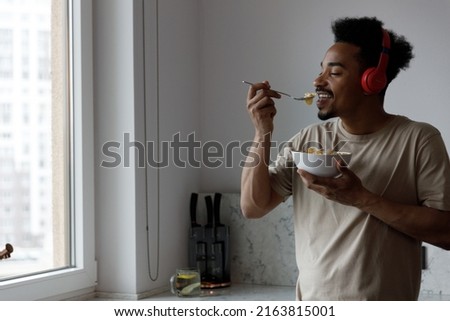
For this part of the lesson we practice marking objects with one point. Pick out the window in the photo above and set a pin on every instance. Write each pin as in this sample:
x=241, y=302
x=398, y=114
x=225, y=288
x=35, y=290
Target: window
x=40, y=245
x=46, y=189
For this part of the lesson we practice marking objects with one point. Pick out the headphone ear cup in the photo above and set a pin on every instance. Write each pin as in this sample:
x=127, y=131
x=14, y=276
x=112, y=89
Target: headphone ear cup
x=373, y=81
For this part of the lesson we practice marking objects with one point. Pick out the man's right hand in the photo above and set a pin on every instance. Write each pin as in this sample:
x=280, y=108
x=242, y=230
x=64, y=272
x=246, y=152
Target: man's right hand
x=261, y=107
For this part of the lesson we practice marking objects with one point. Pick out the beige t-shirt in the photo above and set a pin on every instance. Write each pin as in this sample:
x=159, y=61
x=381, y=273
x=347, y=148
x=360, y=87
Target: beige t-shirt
x=344, y=253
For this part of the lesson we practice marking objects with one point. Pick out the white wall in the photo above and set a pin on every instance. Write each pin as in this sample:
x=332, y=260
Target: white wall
x=122, y=210
x=284, y=41
x=114, y=114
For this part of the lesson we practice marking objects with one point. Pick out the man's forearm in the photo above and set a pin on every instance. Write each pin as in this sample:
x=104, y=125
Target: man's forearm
x=420, y=222
x=256, y=193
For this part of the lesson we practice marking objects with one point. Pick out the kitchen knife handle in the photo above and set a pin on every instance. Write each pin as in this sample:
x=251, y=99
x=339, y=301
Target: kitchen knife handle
x=193, y=209
x=217, y=199
x=209, y=211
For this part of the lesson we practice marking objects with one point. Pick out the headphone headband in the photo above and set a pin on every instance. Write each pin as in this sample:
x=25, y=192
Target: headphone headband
x=386, y=48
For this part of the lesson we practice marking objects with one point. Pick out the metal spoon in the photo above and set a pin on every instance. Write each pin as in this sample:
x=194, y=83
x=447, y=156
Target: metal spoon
x=308, y=98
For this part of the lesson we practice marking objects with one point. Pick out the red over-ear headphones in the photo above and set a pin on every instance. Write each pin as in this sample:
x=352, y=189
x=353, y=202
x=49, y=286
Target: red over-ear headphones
x=374, y=79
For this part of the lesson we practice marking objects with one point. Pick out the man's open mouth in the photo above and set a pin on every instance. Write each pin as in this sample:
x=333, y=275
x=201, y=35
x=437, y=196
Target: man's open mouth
x=324, y=95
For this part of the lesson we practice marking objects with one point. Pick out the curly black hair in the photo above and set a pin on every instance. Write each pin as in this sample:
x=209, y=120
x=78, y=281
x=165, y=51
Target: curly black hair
x=366, y=33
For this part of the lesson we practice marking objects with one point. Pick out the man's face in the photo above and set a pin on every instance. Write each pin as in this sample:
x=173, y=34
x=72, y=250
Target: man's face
x=338, y=85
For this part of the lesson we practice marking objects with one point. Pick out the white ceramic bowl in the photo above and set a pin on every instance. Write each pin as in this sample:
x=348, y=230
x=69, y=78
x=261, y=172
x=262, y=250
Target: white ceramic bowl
x=320, y=165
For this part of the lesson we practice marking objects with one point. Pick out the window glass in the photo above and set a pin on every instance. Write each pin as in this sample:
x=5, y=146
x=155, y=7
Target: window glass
x=34, y=136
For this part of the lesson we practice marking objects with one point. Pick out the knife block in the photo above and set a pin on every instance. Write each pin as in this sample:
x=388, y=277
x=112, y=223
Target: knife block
x=209, y=247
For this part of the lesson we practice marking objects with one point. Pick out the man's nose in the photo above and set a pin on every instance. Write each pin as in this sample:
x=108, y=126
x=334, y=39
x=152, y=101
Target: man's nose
x=319, y=81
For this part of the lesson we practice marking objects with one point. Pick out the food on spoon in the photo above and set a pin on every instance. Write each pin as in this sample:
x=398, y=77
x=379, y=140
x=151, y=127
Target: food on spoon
x=309, y=97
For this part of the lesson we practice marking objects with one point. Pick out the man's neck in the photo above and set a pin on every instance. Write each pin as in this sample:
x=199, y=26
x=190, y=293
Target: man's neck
x=366, y=125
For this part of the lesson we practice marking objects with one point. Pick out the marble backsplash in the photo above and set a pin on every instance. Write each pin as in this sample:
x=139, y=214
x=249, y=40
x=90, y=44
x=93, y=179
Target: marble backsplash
x=262, y=251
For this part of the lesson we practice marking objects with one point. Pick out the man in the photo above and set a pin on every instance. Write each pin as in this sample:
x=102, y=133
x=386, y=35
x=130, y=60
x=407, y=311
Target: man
x=358, y=236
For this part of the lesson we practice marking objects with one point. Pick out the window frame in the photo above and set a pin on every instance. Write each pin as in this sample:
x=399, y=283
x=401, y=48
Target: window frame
x=79, y=279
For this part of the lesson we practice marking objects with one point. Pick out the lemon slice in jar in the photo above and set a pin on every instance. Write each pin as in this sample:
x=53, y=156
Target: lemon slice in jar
x=186, y=276
x=190, y=289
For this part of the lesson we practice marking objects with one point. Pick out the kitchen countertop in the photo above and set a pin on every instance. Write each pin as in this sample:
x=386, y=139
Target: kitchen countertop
x=253, y=292
x=236, y=292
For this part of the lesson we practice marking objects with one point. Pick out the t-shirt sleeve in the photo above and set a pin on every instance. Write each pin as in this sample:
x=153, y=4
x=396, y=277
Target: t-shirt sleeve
x=433, y=174
x=281, y=172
